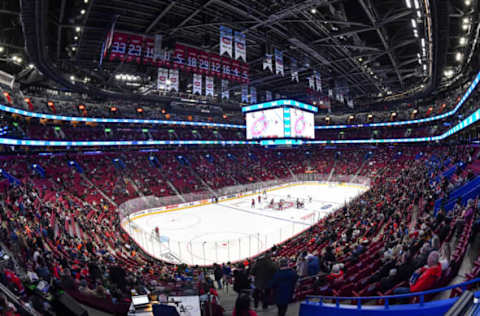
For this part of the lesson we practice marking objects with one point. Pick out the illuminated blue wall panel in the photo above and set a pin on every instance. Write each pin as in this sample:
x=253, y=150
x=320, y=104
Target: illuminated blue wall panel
x=467, y=94
x=112, y=120
x=278, y=103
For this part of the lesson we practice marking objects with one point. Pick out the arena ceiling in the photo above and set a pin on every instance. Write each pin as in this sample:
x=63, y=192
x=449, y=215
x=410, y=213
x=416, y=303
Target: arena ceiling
x=378, y=48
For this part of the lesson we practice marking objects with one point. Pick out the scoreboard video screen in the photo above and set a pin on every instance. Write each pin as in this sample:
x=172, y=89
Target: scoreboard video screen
x=281, y=119
x=302, y=124
x=265, y=124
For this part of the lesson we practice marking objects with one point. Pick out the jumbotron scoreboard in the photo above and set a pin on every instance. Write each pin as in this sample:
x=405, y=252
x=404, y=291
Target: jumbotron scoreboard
x=281, y=122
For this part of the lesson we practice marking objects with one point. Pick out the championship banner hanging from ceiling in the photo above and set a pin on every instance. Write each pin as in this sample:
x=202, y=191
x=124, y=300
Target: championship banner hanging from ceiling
x=240, y=46
x=209, y=87
x=197, y=84
x=318, y=81
x=225, y=91
x=279, y=62
x=267, y=62
x=244, y=93
x=162, y=79
x=226, y=41
x=311, y=82
x=350, y=103
x=268, y=95
x=253, y=95
x=173, y=76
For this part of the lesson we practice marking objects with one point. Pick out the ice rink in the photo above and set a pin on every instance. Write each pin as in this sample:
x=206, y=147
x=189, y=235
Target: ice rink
x=232, y=230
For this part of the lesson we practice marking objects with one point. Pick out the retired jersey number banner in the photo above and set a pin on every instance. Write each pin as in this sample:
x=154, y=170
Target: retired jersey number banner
x=147, y=50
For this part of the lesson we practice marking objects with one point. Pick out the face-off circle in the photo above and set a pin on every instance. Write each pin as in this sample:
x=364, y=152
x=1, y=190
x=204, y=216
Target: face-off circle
x=259, y=126
x=300, y=125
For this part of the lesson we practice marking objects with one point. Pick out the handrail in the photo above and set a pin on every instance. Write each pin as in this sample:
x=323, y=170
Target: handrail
x=422, y=294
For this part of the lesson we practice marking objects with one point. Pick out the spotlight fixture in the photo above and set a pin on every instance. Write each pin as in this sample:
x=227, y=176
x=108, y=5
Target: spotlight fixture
x=458, y=56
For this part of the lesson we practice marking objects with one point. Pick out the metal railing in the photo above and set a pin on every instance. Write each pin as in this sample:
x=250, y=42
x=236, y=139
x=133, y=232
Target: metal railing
x=387, y=298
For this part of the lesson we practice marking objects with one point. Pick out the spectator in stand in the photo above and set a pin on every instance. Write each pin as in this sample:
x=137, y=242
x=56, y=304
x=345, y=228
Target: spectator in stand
x=302, y=266
x=218, y=274
x=336, y=273
x=313, y=264
x=424, y=278
x=242, y=306
x=389, y=282
x=283, y=284
x=263, y=271
x=227, y=273
x=240, y=282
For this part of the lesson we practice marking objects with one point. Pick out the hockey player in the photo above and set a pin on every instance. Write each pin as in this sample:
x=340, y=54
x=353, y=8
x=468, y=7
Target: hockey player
x=253, y=203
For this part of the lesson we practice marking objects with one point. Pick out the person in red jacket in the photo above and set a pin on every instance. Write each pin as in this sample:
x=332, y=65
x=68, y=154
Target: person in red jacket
x=428, y=276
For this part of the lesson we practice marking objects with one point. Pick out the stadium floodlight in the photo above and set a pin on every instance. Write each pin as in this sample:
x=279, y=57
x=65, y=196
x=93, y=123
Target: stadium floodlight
x=408, y=3
x=414, y=23
x=82, y=12
x=78, y=29
x=458, y=56
x=463, y=41
x=2, y=49
x=468, y=2
x=417, y=5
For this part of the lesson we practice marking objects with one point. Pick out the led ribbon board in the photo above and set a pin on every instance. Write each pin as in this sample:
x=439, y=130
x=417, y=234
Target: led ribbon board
x=467, y=94
x=112, y=120
x=279, y=103
x=471, y=119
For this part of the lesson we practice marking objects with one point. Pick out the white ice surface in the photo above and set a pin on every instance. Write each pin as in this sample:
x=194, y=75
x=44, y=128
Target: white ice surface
x=233, y=230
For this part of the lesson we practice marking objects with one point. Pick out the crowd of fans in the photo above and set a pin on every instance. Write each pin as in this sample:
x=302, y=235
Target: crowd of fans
x=62, y=230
